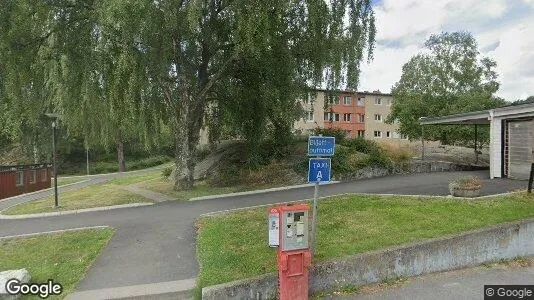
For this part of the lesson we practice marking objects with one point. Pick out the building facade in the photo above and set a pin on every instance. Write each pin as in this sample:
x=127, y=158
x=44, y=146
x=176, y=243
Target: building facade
x=360, y=114
x=313, y=107
x=16, y=180
x=377, y=110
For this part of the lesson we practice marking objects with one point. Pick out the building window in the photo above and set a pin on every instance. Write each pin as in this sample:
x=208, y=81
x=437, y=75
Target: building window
x=44, y=175
x=378, y=117
x=360, y=102
x=388, y=102
x=309, y=116
x=361, y=133
x=20, y=178
x=388, y=134
x=378, y=134
x=33, y=176
x=361, y=118
x=327, y=116
x=346, y=117
x=333, y=100
x=378, y=101
x=336, y=117
x=347, y=100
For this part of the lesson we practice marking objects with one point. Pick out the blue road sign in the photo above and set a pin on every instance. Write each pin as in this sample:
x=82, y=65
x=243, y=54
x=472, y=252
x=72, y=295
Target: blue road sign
x=321, y=145
x=319, y=170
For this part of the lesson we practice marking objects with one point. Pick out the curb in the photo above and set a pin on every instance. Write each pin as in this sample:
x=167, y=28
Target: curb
x=179, y=289
x=221, y=212
x=71, y=212
x=52, y=232
x=43, y=190
x=283, y=188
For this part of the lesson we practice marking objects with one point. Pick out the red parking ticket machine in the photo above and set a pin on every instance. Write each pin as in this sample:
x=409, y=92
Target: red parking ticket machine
x=294, y=256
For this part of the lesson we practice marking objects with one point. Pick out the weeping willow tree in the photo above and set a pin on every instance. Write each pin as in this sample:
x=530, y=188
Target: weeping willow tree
x=251, y=59
x=129, y=66
x=57, y=57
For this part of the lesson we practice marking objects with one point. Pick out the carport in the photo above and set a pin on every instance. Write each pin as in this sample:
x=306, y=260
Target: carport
x=511, y=144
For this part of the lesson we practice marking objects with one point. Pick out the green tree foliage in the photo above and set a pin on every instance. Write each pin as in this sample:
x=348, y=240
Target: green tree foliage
x=117, y=70
x=523, y=101
x=448, y=78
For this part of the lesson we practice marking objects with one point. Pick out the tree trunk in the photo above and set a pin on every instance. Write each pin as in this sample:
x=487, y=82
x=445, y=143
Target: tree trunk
x=120, y=156
x=186, y=139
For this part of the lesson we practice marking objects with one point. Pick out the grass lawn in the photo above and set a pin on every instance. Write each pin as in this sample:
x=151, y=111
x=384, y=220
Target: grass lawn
x=63, y=257
x=234, y=246
x=136, y=178
x=91, y=196
x=165, y=186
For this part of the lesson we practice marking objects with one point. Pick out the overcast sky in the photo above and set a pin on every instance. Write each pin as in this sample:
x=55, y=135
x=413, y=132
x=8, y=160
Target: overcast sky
x=504, y=30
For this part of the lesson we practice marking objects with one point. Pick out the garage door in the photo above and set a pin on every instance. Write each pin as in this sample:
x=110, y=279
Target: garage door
x=521, y=141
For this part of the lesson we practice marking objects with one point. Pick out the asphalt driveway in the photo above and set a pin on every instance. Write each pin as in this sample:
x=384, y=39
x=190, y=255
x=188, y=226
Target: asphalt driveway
x=157, y=243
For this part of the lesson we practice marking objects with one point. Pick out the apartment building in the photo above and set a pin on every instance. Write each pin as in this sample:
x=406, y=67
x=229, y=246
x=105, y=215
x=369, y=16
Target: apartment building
x=313, y=107
x=377, y=110
x=358, y=113
x=344, y=111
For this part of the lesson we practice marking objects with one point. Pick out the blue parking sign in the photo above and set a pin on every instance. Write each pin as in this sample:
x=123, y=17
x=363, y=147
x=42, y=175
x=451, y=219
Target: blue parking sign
x=319, y=170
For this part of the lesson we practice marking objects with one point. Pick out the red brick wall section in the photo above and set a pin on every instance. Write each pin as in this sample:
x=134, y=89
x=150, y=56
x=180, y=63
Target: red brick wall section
x=354, y=125
x=8, y=180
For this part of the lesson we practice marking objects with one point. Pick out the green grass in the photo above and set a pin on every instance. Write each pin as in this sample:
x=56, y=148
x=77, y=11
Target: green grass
x=91, y=196
x=234, y=246
x=200, y=189
x=63, y=257
x=136, y=178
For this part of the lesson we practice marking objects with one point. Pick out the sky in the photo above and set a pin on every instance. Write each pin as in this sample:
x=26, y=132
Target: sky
x=504, y=30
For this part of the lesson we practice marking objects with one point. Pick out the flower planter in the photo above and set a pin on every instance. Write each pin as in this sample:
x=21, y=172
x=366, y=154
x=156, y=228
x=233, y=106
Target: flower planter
x=468, y=192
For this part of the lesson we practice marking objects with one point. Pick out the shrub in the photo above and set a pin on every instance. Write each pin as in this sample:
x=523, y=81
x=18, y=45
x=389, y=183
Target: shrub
x=377, y=155
x=362, y=145
x=146, y=162
x=340, y=161
x=166, y=172
x=338, y=133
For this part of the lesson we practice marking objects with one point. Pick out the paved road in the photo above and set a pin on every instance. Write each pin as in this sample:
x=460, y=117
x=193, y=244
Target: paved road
x=157, y=243
x=460, y=284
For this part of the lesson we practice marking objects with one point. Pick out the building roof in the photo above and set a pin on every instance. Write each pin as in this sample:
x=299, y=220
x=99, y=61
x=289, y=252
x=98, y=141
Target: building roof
x=482, y=116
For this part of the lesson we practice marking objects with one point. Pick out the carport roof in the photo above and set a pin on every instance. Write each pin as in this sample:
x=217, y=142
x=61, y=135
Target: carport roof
x=482, y=116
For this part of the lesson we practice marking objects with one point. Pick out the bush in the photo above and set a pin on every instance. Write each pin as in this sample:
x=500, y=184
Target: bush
x=340, y=161
x=362, y=145
x=166, y=172
x=147, y=162
x=338, y=133
x=377, y=155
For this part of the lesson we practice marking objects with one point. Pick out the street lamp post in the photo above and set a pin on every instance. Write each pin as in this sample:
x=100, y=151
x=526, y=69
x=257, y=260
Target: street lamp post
x=54, y=118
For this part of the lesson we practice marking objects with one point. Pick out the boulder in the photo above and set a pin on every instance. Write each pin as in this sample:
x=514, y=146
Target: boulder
x=22, y=275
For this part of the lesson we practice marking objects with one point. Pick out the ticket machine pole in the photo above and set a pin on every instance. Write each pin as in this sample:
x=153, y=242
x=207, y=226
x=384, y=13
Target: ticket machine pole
x=314, y=218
